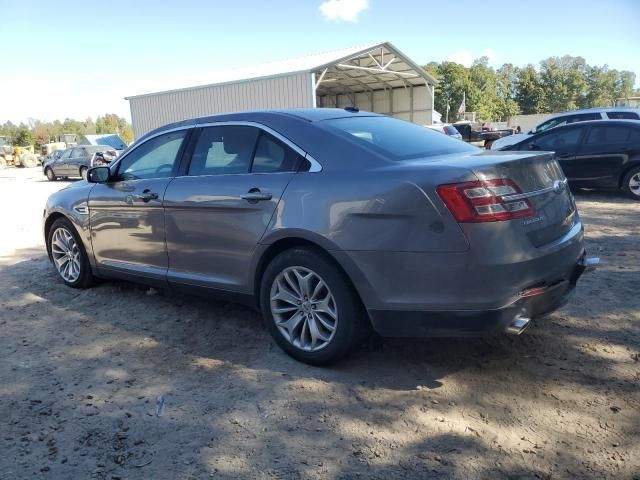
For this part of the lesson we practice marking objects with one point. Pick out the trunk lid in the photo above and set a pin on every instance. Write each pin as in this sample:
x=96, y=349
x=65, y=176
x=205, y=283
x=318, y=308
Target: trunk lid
x=542, y=183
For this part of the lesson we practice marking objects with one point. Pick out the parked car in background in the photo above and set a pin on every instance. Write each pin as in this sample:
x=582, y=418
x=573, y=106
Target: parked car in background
x=480, y=135
x=598, y=153
x=611, y=113
x=332, y=222
x=55, y=155
x=447, y=129
x=74, y=162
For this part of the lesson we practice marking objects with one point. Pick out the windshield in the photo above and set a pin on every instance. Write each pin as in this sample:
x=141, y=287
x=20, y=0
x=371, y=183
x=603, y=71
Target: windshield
x=396, y=139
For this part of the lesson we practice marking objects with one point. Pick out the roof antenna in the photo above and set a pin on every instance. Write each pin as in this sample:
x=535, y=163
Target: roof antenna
x=352, y=109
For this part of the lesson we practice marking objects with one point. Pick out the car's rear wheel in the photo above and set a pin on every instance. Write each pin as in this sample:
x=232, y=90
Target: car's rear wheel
x=631, y=183
x=50, y=175
x=68, y=255
x=310, y=309
x=83, y=173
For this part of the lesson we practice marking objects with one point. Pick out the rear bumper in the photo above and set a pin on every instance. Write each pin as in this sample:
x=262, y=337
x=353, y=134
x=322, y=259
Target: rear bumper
x=461, y=323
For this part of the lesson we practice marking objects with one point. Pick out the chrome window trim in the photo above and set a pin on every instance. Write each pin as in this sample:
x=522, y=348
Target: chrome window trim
x=535, y=193
x=315, y=165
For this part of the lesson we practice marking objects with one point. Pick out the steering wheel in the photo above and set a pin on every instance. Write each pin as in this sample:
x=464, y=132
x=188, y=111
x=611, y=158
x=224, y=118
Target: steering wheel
x=166, y=166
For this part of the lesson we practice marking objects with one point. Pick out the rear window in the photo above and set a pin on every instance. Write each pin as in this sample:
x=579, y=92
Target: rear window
x=396, y=139
x=451, y=130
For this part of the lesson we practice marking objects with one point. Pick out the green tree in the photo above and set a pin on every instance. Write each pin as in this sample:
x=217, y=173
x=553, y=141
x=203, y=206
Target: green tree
x=23, y=136
x=127, y=134
x=564, y=83
x=530, y=94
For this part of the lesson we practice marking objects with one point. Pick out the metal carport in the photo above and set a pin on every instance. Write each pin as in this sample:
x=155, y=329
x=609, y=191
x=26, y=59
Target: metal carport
x=376, y=77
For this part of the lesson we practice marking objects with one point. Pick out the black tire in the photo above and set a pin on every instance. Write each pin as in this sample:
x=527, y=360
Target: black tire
x=85, y=278
x=632, y=177
x=50, y=175
x=83, y=173
x=29, y=160
x=351, y=324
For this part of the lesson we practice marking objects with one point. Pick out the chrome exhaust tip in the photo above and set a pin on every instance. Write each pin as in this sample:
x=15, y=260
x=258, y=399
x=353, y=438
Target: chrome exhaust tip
x=590, y=263
x=518, y=325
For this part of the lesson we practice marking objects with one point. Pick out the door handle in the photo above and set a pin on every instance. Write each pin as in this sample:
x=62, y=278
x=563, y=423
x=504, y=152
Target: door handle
x=564, y=155
x=146, y=196
x=255, y=195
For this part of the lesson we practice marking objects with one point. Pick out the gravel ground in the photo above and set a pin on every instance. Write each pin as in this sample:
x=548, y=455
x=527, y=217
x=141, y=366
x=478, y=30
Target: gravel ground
x=124, y=382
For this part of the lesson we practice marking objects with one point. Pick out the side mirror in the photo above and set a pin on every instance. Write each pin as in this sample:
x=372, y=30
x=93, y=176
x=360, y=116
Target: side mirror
x=98, y=175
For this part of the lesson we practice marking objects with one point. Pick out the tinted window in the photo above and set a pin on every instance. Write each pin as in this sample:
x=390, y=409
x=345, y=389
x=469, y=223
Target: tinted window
x=567, y=137
x=634, y=136
x=65, y=154
x=610, y=135
x=223, y=150
x=155, y=158
x=273, y=156
x=396, y=139
x=559, y=121
x=77, y=153
x=623, y=115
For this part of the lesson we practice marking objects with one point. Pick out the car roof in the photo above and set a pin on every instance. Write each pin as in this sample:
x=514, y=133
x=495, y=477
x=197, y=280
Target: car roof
x=106, y=147
x=302, y=114
x=608, y=123
x=596, y=110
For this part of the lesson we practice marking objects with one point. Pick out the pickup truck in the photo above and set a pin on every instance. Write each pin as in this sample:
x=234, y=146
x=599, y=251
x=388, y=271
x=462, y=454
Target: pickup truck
x=484, y=136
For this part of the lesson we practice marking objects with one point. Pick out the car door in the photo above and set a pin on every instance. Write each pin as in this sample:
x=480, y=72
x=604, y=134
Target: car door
x=59, y=166
x=602, y=154
x=564, y=141
x=218, y=211
x=126, y=214
x=75, y=161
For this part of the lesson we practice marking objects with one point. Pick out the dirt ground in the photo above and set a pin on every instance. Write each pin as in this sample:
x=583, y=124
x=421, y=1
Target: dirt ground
x=81, y=373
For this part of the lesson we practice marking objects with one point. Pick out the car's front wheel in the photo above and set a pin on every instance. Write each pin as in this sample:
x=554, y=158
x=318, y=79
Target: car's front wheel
x=631, y=183
x=68, y=255
x=311, y=310
x=50, y=175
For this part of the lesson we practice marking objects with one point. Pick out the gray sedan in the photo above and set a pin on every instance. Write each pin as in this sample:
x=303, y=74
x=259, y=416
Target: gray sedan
x=333, y=223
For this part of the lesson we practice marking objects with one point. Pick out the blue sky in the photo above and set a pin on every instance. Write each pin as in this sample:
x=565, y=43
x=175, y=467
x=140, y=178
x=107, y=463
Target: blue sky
x=86, y=56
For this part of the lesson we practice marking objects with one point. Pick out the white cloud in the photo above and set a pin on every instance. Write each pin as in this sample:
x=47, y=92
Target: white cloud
x=462, y=57
x=490, y=53
x=347, y=10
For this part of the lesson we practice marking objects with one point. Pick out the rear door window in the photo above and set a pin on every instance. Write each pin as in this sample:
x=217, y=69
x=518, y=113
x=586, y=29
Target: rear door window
x=607, y=135
x=223, y=150
x=273, y=156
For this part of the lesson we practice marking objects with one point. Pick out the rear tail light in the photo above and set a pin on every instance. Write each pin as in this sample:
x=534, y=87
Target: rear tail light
x=482, y=201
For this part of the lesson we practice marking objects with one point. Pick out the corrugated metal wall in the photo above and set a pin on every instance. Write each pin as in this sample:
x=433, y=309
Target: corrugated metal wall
x=414, y=106
x=152, y=111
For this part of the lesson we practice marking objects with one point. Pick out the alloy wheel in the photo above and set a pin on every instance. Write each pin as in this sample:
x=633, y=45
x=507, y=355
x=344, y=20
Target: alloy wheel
x=634, y=184
x=303, y=308
x=66, y=254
